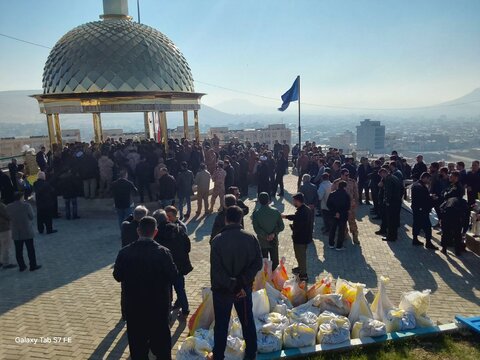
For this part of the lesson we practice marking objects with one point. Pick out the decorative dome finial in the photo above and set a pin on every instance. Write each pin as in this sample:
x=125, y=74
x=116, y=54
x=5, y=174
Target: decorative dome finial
x=115, y=9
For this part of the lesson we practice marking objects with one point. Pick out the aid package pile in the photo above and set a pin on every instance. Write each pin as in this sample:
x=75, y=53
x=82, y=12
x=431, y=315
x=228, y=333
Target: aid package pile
x=290, y=314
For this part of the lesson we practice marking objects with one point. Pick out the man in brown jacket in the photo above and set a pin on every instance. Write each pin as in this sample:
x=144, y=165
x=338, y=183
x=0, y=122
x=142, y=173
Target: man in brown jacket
x=352, y=191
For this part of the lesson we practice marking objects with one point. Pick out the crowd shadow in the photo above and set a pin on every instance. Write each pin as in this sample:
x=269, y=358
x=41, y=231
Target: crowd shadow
x=102, y=349
x=80, y=247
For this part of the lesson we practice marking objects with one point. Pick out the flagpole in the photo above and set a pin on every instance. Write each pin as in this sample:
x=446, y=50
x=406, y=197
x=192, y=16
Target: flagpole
x=299, y=124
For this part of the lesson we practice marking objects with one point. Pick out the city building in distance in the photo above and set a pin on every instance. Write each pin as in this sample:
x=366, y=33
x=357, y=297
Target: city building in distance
x=266, y=135
x=371, y=137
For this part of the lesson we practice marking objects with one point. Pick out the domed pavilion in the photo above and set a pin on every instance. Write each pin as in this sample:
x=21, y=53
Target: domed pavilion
x=117, y=65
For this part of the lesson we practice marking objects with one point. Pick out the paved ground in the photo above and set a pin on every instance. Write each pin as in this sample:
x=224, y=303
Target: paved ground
x=73, y=301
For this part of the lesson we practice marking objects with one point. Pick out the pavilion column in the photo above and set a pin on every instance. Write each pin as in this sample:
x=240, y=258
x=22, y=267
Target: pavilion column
x=154, y=126
x=162, y=119
x=186, y=134
x=58, y=130
x=51, y=131
x=197, y=127
x=146, y=123
x=97, y=128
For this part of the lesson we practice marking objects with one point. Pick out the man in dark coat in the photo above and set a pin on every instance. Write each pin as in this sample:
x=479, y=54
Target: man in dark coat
x=393, y=193
x=175, y=239
x=71, y=187
x=338, y=204
x=422, y=204
x=41, y=159
x=147, y=272
x=453, y=214
x=122, y=190
x=243, y=174
x=280, y=171
x=374, y=180
x=185, y=182
x=472, y=180
x=219, y=222
x=129, y=232
x=235, y=259
x=419, y=168
x=44, y=198
x=230, y=177
x=144, y=176
x=7, y=189
x=364, y=170
x=233, y=190
x=271, y=164
x=13, y=171
x=302, y=233
x=167, y=188
x=88, y=170
x=263, y=177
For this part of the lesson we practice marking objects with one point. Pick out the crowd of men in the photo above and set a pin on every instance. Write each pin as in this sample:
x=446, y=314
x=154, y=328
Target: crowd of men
x=330, y=185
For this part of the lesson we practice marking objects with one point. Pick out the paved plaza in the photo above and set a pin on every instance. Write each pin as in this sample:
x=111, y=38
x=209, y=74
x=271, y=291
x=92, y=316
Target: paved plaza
x=73, y=301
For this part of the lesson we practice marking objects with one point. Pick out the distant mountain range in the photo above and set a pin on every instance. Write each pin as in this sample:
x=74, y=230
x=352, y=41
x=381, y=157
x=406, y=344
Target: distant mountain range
x=17, y=107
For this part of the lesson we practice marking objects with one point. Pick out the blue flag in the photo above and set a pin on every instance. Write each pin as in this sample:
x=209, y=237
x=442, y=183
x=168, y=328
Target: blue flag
x=291, y=94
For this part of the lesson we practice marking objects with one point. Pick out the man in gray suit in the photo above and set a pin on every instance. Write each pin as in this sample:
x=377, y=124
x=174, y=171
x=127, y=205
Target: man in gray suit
x=21, y=220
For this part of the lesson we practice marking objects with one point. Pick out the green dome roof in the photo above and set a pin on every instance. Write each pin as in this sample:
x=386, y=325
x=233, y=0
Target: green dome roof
x=115, y=55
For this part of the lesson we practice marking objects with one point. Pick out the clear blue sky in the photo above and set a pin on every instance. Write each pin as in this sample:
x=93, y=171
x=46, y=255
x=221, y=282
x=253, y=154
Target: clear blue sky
x=357, y=52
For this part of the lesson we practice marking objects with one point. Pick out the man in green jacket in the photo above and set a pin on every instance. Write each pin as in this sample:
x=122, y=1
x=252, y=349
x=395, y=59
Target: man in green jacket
x=267, y=223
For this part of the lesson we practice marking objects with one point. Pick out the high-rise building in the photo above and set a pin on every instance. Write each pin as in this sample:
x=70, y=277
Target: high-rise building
x=371, y=136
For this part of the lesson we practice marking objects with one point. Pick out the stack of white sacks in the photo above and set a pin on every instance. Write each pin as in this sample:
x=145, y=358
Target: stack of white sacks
x=288, y=315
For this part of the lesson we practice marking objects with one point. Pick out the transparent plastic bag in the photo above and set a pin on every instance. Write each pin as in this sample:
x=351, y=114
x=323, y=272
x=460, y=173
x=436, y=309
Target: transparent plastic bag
x=235, y=349
x=261, y=304
x=279, y=275
x=293, y=292
x=399, y=320
x=280, y=308
x=268, y=341
x=335, y=331
x=360, y=307
x=308, y=318
x=347, y=289
x=205, y=335
x=381, y=304
x=326, y=316
x=272, y=322
x=193, y=349
x=416, y=302
x=235, y=328
x=275, y=297
x=307, y=307
x=368, y=328
x=298, y=335
x=334, y=303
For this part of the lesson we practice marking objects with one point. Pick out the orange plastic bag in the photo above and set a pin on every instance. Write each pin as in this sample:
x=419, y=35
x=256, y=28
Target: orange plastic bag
x=322, y=286
x=263, y=276
x=203, y=317
x=279, y=276
x=295, y=291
